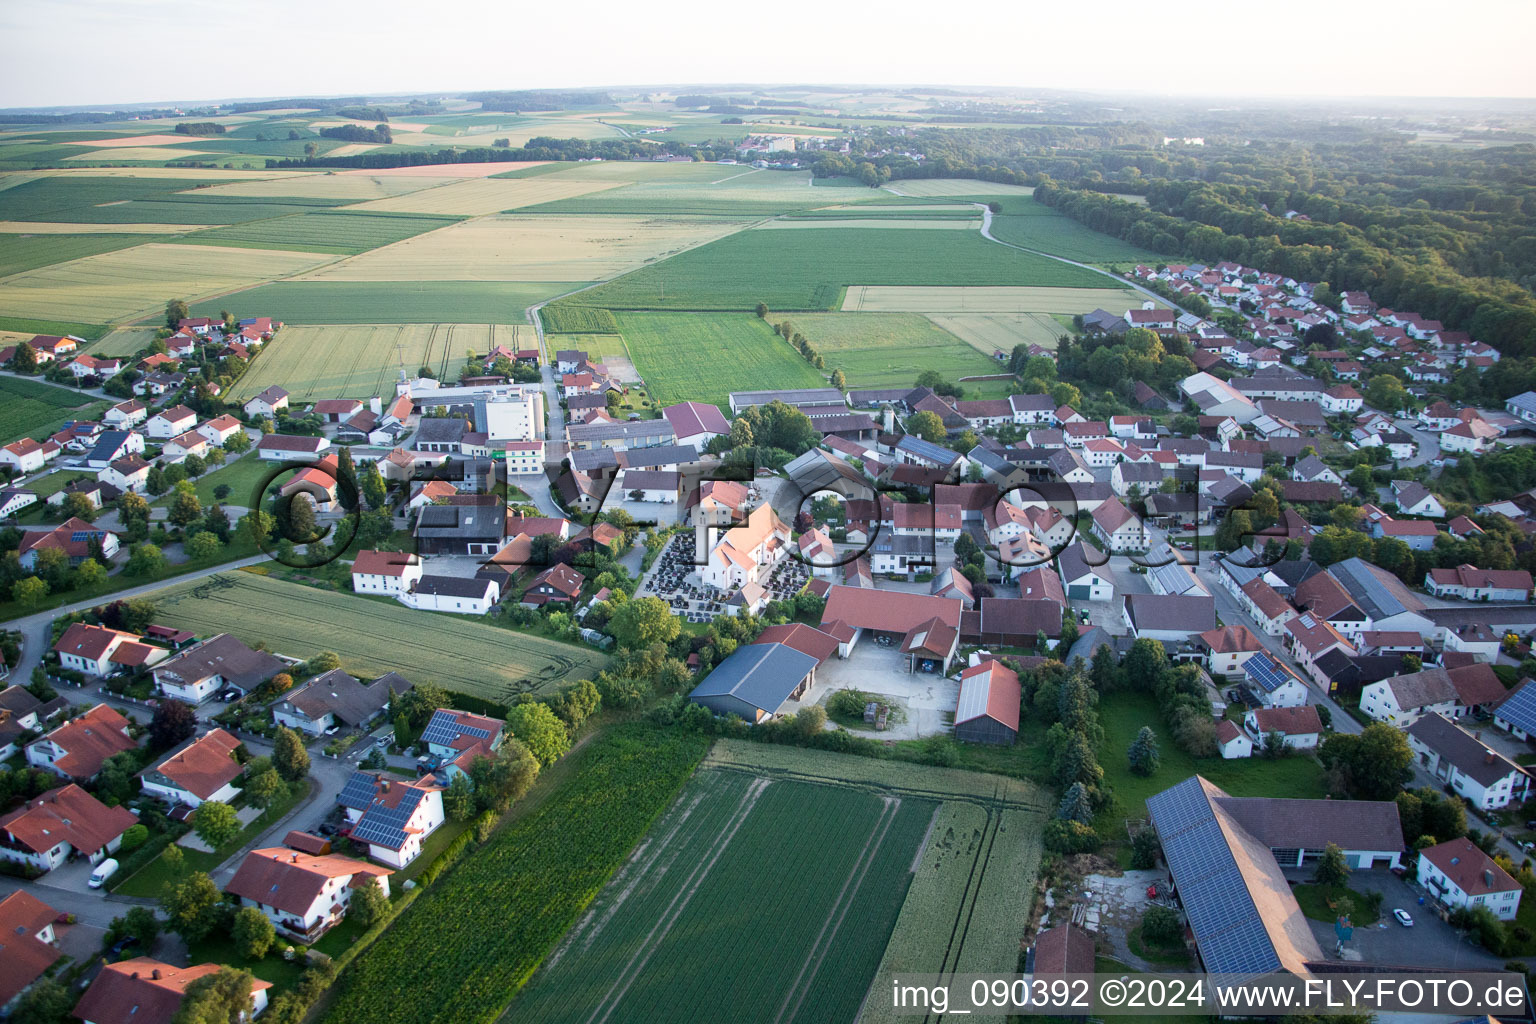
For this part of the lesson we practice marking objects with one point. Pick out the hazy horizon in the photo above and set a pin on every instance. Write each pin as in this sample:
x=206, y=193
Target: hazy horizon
x=195, y=51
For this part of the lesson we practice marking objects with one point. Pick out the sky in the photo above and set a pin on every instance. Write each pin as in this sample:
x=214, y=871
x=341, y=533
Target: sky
x=65, y=52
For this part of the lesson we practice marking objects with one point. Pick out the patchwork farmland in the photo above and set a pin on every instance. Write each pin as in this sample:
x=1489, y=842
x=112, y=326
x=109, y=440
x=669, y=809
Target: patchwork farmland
x=887, y=862
x=374, y=637
x=393, y=302
x=360, y=361
x=703, y=358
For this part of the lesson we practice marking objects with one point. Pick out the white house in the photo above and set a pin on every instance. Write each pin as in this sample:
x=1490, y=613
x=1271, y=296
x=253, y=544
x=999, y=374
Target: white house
x=1458, y=874
x=269, y=403
x=204, y=769
x=1469, y=583
x=1299, y=728
x=23, y=456
x=1083, y=582
x=1118, y=527
x=301, y=894
x=202, y=670
x=129, y=473
x=99, y=651
x=385, y=572
x=451, y=594
x=167, y=423
x=1272, y=683
x=146, y=991
x=220, y=429
x=1402, y=699
x=1231, y=741
x=190, y=442
x=78, y=748
x=1228, y=647
x=393, y=816
x=1476, y=772
x=125, y=415
x=46, y=830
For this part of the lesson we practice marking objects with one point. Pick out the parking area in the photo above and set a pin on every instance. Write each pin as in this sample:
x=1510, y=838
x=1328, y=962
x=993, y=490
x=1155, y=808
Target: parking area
x=927, y=698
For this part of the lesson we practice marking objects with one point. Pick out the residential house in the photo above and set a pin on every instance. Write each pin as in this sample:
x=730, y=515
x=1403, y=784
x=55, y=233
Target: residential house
x=302, y=894
x=1228, y=647
x=1473, y=770
x=385, y=572
x=27, y=939
x=1118, y=527
x=125, y=415
x=78, y=748
x=221, y=662
x=1458, y=874
x=559, y=584
x=1083, y=582
x=1173, y=619
x=336, y=699
x=47, y=830
x=1271, y=683
x=99, y=651
x=392, y=816
x=24, y=456
x=1469, y=583
x=1232, y=742
x=170, y=422
x=129, y=473
x=290, y=447
x=1299, y=728
x=456, y=738
x=204, y=769
x=220, y=429
x=269, y=403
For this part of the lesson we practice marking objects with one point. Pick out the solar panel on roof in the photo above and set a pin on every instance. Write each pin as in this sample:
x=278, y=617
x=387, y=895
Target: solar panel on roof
x=80, y=536
x=1519, y=709
x=386, y=825
x=358, y=792
x=1266, y=672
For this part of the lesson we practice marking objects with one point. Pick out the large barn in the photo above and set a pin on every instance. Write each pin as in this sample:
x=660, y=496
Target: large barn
x=988, y=708
x=756, y=681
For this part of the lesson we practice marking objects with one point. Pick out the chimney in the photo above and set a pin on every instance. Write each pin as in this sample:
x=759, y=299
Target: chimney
x=1488, y=877
x=376, y=405
x=293, y=859
x=155, y=974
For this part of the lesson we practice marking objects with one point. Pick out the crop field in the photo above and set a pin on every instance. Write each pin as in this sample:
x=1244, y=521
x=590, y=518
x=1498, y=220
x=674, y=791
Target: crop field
x=703, y=358
x=33, y=409
x=360, y=361
x=374, y=637
x=890, y=223
x=889, y=349
x=22, y=252
x=991, y=332
x=926, y=187
x=476, y=196
x=703, y=190
x=345, y=188
x=931, y=868
x=562, y=319
x=365, y=302
x=328, y=231
x=1036, y=226
x=598, y=346
x=124, y=341
x=145, y=154
x=807, y=270
x=485, y=170
x=491, y=920
x=38, y=228
x=130, y=283
x=72, y=197
x=881, y=299
x=530, y=247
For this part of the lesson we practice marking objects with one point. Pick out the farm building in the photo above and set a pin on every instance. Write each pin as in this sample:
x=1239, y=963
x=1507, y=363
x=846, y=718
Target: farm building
x=988, y=708
x=757, y=681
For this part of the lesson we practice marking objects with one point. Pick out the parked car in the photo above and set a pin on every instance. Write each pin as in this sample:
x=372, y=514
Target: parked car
x=229, y=696
x=105, y=870
x=1403, y=917
x=333, y=730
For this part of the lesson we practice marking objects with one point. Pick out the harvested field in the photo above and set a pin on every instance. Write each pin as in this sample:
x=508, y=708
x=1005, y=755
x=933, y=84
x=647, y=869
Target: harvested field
x=131, y=283
x=351, y=188
x=132, y=141
x=339, y=232
x=925, y=187
x=360, y=361
x=526, y=247
x=888, y=349
x=882, y=299
x=992, y=332
x=397, y=302
x=146, y=154
x=374, y=637
x=704, y=357
x=478, y=196
x=912, y=224
x=22, y=252
x=207, y=173
x=484, y=170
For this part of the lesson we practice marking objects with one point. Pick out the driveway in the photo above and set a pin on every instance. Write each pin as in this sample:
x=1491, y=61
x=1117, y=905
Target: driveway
x=928, y=699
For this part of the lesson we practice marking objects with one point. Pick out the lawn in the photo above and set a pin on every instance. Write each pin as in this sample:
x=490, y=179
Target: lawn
x=374, y=637
x=704, y=357
x=390, y=302
x=1123, y=713
x=1317, y=903
x=243, y=475
x=31, y=408
x=807, y=269
x=881, y=350
x=328, y=231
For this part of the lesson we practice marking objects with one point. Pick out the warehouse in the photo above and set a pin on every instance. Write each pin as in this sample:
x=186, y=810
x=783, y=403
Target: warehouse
x=988, y=708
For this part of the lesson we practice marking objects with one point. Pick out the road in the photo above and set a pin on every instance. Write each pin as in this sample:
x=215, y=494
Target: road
x=1120, y=282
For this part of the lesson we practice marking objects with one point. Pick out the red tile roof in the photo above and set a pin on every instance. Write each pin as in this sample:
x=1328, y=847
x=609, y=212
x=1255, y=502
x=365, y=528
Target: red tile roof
x=291, y=881
x=887, y=611
x=1469, y=868
x=383, y=563
x=204, y=767
x=1300, y=721
x=142, y=991
x=23, y=956
x=89, y=740
x=67, y=814
x=1002, y=690
x=803, y=638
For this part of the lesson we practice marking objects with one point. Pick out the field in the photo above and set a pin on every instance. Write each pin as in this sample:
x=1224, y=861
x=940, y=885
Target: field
x=33, y=409
x=490, y=921
x=889, y=349
x=23, y=252
x=848, y=862
x=807, y=270
x=701, y=358
x=337, y=232
x=145, y=154
x=124, y=341
x=37, y=227
x=360, y=361
x=136, y=282
x=926, y=187
x=524, y=247
x=888, y=223
x=599, y=346
x=911, y=299
x=373, y=637
x=342, y=188
x=1035, y=226
x=562, y=319
x=475, y=196
x=994, y=332
x=374, y=302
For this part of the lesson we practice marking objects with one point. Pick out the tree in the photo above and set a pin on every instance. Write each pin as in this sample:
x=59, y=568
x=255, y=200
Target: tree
x=1160, y=926
x=372, y=482
x=90, y=573
x=24, y=359
x=48, y=1001
x=175, y=312
x=459, y=798
x=80, y=506
x=192, y=907
x=195, y=465
x=238, y=443
x=174, y=859
x=1332, y=869
x=146, y=560
x=642, y=622
x=762, y=311
x=29, y=592
x=1143, y=754
x=263, y=786
x=289, y=756
x=173, y=722
x=223, y=997
x=369, y=904
x=215, y=823
x=253, y=933
x=1076, y=805
x=1386, y=393
x=741, y=434
x=299, y=512
x=538, y=728
x=142, y=924
x=325, y=661
x=839, y=381
x=204, y=546
x=1144, y=849
x=502, y=780
x=1372, y=765
x=927, y=426
x=346, y=479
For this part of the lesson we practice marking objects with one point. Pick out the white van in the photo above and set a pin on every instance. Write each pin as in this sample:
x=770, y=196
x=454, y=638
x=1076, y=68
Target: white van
x=105, y=870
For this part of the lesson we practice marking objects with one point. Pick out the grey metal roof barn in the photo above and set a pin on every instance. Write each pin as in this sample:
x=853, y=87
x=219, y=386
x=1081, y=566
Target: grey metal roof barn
x=1379, y=594
x=755, y=681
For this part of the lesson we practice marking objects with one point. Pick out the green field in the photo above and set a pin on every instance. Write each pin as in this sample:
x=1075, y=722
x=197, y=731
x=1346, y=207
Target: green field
x=807, y=270
x=329, y=231
x=772, y=897
x=474, y=937
x=73, y=199
x=880, y=350
x=28, y=252
x=389, y=302
x=374, y=637
x=1036, y=226
x=693, y=357
x=124, y=341
x=563, y=319
x=698, y=189
x=33, y=409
